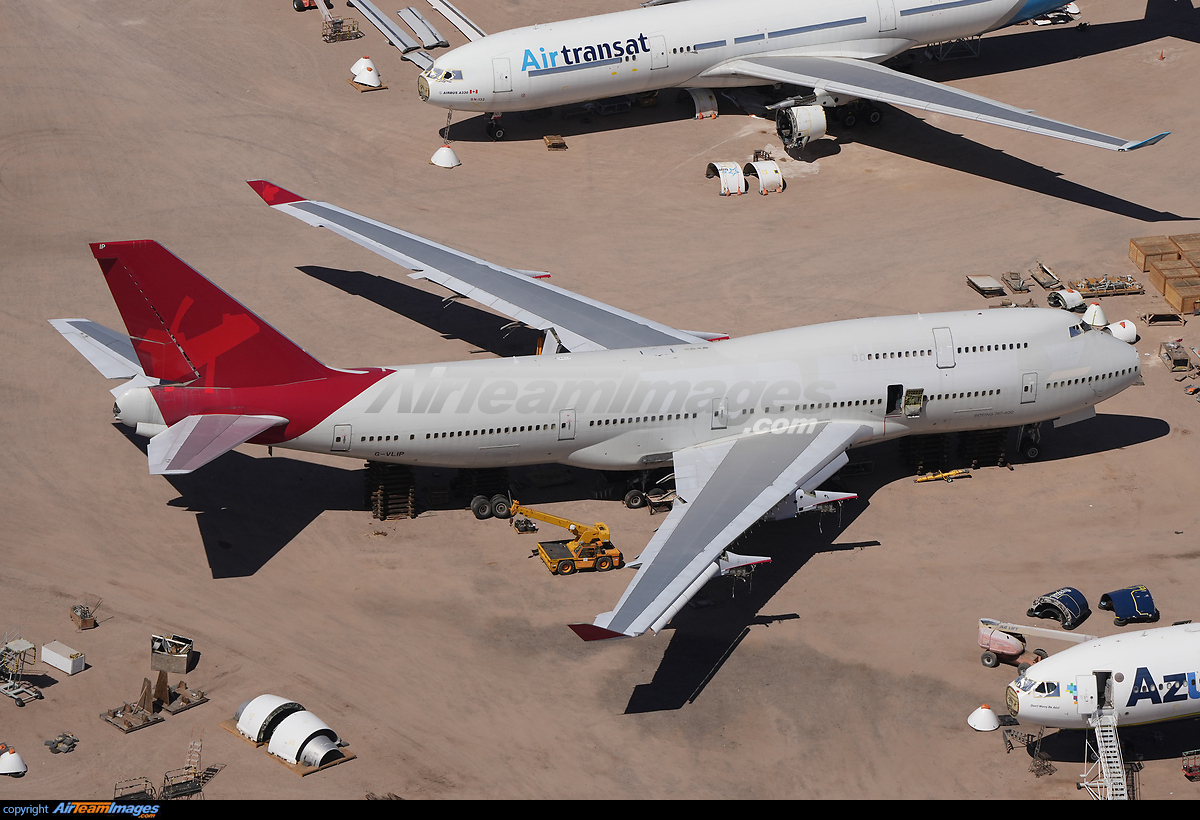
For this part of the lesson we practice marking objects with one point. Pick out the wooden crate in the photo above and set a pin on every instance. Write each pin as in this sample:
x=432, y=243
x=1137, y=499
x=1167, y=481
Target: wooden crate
x=1183, y=294
x=1186, y=241
x=1146, y=249
x=1162, y=270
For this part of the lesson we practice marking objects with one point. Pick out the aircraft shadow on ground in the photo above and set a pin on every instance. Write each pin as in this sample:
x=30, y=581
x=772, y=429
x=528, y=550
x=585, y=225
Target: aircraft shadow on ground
x=248, y=509
x=572, y=121
x=452, y=318
x=907, y=135
x=1099, y=434
x=1154, y=741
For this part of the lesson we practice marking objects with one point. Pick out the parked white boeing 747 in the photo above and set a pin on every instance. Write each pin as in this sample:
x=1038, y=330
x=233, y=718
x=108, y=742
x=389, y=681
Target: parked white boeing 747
x=753, y=426
x=833, y=47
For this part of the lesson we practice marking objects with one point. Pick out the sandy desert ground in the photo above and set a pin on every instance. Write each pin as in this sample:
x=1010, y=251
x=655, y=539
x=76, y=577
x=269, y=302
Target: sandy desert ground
x=435, y=646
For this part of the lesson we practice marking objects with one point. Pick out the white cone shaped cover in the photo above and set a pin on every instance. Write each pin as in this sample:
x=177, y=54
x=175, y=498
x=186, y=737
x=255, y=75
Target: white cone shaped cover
x=1124, y=330
x=12, y=763
x=361, y=65
x=445, y=157
x=984, y=719
x=1094, y=315
x=369, y=77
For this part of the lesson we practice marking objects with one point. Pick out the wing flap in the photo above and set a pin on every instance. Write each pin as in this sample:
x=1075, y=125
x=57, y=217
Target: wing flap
x=723, y=488
x=869, y=81
x=196, y=440
x=581, y=323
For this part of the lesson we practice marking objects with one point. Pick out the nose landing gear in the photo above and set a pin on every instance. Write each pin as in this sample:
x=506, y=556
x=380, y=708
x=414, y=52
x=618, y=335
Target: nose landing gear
x=495, y=128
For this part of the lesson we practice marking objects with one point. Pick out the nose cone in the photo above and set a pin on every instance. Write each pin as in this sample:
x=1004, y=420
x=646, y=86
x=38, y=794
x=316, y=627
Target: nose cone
x=1012, y=699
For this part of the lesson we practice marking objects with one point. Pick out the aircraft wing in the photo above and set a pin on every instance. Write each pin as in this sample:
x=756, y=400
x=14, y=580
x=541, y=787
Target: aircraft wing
x=859, y=78
x=579, y=323
x=722, y=488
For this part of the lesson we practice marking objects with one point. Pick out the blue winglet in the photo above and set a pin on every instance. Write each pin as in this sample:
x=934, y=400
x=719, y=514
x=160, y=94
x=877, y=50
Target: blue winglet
x=1133, y=146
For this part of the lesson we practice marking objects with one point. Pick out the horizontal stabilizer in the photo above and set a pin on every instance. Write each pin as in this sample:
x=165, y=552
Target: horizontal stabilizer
x=190, y=444
x=107, y=350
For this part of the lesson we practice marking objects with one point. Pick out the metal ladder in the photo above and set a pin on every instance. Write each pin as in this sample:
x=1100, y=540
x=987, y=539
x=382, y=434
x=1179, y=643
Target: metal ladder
x=1104, y=779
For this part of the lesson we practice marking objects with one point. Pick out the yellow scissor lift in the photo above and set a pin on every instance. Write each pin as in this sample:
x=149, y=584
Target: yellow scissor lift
x=590, y=549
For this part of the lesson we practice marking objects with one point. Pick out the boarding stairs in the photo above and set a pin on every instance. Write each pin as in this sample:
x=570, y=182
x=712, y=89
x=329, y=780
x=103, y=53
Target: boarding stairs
x=1104, y=776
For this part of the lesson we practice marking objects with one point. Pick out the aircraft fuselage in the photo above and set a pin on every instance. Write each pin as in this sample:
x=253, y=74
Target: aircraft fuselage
x=631, y=409
x=1140, y=677
x=674, y=45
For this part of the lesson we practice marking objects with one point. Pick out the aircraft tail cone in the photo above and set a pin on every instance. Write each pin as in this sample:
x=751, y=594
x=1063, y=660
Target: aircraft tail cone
x=445, y=157
x=368, y=76
x=362, y=64
x=984, y=719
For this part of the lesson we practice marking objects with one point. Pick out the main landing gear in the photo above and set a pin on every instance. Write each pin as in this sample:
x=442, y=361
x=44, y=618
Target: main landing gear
x=1030, y=441
x=857, y=112
x=495, y=128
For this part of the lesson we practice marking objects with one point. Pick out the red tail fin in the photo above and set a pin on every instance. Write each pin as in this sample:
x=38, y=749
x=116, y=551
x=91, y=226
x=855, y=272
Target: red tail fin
x=186, y=329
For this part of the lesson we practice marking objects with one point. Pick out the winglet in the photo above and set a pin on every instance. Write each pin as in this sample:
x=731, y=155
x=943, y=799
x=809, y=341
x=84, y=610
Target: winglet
x=591, y=632
x=1133, y=146
x=272, y=194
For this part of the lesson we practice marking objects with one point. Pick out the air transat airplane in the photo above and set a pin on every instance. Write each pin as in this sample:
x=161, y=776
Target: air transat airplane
x=1138, y=677
x=753, y=426
x=831, y=46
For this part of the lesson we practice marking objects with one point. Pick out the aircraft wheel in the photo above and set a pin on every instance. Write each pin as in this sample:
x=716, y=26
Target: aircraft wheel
x=990, y=660
x=874, y=116
x=566, y=567
x=481, y=507
x=501, y=507
x=850, y=119
x=635, y=499
x=604, y=564
x=1032, y=452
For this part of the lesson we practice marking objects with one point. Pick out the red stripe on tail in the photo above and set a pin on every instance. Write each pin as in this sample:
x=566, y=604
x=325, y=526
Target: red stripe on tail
x=184, y=328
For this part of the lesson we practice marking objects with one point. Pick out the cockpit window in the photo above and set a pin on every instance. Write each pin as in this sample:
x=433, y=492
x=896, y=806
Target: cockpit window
x=1024, y=684
x=1075, y=330
x=436, y=73
x=1046, y=689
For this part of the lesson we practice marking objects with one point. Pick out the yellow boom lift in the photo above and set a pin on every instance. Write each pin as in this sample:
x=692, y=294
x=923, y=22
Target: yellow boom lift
x=590, y=549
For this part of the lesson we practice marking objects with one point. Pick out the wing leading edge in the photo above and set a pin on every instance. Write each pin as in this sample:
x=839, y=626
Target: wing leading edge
x=869, y=81
x=580, y=323
x=723, y=488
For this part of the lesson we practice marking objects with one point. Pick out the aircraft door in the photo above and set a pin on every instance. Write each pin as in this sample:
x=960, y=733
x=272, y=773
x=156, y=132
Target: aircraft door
x=658, y=52
x=887, y=15
x=720, y=413
x=943, y=343
x=1028, y=388
x=502, y=72
x=566, y=424
x=1085, y=694
x=341, y=437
